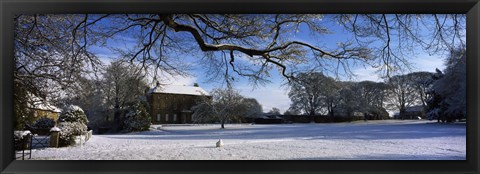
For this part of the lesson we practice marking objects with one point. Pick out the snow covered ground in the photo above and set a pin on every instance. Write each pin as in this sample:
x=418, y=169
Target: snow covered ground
x=372, y=140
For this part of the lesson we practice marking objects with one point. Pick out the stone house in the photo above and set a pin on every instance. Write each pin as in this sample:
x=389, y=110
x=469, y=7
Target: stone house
x=42, y=108
x=173, y=103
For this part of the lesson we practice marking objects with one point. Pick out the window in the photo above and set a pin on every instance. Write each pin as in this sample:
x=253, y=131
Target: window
x=166, y=117
x=158, y=117
x=174, y=117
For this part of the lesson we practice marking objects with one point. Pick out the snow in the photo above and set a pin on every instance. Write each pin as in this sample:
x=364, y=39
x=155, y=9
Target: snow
x=21, y=133
x=73, y=108
x=55, y=129
x=371, y=140
x=178, y=89
x=41, y=104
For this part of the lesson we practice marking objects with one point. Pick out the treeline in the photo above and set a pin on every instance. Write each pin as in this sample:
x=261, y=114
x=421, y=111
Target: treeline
x=441, y=95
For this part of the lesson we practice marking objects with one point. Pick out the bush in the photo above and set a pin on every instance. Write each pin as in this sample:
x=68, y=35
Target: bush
x=69, y=130
x=72, y=122
x=137, y=118
x=44, y=123
x=73, y=113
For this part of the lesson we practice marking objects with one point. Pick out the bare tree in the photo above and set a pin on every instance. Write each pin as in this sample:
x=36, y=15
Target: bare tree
x=422, y=82
x=123, y=86
x=225, y=105
x=349, y=101
x=402, y=93
x=312, y=93
x=48, y=58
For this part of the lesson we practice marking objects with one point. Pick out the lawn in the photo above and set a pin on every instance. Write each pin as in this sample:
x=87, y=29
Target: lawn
x=372, y=140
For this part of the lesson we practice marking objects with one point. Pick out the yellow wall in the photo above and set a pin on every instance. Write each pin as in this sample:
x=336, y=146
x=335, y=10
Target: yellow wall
x=49, y=114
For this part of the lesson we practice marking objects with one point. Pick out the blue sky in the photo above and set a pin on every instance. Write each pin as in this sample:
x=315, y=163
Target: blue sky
x=275, y=94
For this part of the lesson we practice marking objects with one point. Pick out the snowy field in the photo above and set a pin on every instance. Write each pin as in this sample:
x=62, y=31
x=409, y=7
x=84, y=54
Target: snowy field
x=372, y=140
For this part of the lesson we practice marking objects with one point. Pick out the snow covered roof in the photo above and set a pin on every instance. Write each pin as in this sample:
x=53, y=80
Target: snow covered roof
x=41, y=104
x=178, y=89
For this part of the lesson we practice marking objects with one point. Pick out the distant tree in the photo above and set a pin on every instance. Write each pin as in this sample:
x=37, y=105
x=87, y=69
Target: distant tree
x=90, y=95
x=402, y=93
x=224, y=105
x=254, y=109
x=409, y=90
x=313, y=93
x=291, y=112
x=123, y=85
x=349, y=99
x=422, y=82
x=448, y=101
x=274, y=111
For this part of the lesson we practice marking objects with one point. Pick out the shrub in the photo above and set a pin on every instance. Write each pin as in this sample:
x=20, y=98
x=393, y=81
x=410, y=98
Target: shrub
x=72, y=122
x=137, y=118
x=68, y=132
x=73, y=113
x=44, y=123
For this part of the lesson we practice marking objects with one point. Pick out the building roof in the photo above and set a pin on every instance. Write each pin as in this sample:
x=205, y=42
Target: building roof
x=40, y=104
x=178, y=89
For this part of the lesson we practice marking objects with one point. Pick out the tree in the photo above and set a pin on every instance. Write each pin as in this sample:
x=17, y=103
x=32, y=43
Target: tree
x=274, y=111
x=373, y=96
x=254, y=109
x=403, y=94
x=48, y=58
x=381, y=40
x=291, y=112
x=422, y=83
x=409, y=90
x=448, y=99
x=123, y=86
x=313, y=93
x=225, y=105
x=90, y=95
x=349, y=101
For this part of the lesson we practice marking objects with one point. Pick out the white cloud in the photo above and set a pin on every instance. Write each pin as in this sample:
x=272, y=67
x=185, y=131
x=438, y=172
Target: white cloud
x=178, y=80
x=428, y=63
x=366, y=73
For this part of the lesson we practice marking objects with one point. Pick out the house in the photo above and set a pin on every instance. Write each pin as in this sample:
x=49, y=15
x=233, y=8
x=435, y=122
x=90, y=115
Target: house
x=41, y=108
x=173, y=103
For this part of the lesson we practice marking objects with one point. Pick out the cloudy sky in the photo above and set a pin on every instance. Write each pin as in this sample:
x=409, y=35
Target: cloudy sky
x=275, y=94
